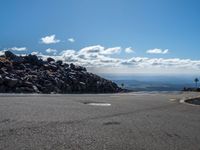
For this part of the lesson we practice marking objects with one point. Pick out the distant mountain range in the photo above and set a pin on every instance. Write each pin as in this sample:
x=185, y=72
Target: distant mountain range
x=152, y=82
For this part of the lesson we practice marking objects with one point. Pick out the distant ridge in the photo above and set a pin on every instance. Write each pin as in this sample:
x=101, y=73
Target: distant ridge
x=29, y=74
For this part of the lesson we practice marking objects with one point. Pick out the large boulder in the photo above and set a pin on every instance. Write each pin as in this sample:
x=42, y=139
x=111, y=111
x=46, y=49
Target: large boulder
x=72, y=66
x=33, y=59
x=80, y=68
x=49, y=59
x=24, y=90
x=10, y=55
x=59, y=62
x=17, y=60
x=11, y=82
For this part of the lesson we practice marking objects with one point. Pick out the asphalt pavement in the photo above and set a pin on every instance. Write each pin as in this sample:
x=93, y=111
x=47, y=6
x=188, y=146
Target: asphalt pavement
x=131, y=121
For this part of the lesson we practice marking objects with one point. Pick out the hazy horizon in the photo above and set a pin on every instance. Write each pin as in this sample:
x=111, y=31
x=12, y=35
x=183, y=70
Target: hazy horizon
x=153, y=82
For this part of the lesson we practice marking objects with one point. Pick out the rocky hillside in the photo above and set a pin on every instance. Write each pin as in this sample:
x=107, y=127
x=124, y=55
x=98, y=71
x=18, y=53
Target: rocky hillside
x=29, y=74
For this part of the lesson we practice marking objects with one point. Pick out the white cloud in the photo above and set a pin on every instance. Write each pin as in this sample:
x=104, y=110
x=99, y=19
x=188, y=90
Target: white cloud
x=49, y=50
x=18, y=48
x=13, y=49
x=68, y=52
x=157, y=51
x=129, y=50
x=2, y=52
x=72, y=40
x=36, y=53
x=98, y=49
x=49, y=39
x=92, y=49
x=111, y=51
x=69, y=56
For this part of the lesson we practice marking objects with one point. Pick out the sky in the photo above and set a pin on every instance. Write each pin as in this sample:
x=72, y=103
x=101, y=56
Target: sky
x=106, y=36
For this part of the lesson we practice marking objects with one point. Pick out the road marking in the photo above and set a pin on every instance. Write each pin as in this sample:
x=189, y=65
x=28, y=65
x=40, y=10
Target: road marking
x=172, y=99
x=99, y=104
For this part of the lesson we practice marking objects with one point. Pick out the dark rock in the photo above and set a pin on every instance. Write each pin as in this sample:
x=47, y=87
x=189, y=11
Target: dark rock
x=7, y=64
x=3, y=71
x=1, y=64
x=1, y=80
x=27, y=84
x=59, y=62
x=59, y=83
x=49, y=59
x=17, y=60
x=24, y=90
x=10, y=81
x=9, y=68
x=72, y=66
x=28, y=74
x=79, y=68
x=50, y=67
x=67, y=70
x=36, y=89
x=33, y=59
x=66, y=65
x=2, y=88
x=53, y=67
x=9, y=54
x=21, y=66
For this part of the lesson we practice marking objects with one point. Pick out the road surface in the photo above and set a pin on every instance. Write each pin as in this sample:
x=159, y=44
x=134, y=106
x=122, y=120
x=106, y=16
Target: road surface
x=132, y=121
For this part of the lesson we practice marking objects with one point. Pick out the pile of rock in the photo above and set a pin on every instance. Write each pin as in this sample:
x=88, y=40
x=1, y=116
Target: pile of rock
x=29, y=74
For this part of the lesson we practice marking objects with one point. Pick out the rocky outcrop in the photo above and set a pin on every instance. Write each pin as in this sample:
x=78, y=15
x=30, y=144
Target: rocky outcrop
x=29, y=74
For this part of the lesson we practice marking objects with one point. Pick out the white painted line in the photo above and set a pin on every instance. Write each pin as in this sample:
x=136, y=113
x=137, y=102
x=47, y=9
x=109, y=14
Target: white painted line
x=172, y=99
x=99, y=104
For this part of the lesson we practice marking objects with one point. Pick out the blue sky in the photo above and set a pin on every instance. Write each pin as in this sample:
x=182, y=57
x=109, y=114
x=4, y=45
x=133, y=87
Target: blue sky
x=156, y=29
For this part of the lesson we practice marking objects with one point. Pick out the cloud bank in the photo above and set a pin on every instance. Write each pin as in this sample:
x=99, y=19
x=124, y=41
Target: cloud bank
x=99, y=59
